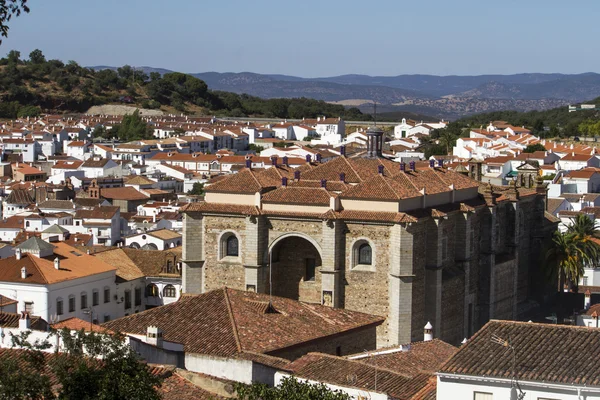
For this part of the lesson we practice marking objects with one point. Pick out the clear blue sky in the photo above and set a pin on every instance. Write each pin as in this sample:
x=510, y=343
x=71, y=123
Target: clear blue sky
x=317, y=38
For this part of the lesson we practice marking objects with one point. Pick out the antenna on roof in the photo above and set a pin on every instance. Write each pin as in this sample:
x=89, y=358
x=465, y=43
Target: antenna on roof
x=514, y=382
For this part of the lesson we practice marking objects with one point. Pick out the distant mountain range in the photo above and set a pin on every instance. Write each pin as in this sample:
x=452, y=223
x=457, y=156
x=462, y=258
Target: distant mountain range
x=439, y=96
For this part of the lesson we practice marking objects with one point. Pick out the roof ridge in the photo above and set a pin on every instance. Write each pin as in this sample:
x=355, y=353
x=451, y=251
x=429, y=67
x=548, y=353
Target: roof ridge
x=233, y=323
x=390, y=186
x=352, y=168
x=374, y=366
x=31, y=259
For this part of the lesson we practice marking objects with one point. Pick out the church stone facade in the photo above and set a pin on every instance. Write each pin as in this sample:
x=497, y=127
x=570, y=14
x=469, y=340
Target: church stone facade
x=366, y=234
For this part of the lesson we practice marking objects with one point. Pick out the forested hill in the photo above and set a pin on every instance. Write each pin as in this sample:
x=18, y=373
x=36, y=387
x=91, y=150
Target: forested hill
x=547, y=123
x=34, y=85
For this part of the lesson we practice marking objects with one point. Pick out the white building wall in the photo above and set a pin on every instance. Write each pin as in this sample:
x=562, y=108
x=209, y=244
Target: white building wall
x=453, y=389
x=354, y=393
x=225, y=368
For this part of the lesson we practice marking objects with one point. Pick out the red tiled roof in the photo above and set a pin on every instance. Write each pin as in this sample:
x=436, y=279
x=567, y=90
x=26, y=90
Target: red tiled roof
x=122, y=193
x=547, y=353
x=226, y=322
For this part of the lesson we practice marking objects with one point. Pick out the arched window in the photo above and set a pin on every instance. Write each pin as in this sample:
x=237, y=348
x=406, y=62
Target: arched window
x=169, y=291
x=232, y=246
x=151, y=290
x=365, y=255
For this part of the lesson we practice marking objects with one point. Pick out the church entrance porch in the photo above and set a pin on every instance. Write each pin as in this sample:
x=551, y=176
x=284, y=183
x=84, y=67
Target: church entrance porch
x=296, y=269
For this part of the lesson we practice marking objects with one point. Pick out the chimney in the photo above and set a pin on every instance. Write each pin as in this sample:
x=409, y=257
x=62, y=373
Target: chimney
x=318, y=157
x=154, y=336
x=308, y=158
x=274, y=161
x=441, y=162
x=403, y=166
x=56, y=263
x=248, y=163
x=324, y=183
x=296, y=176
x=285, y=161
x=380, y=170
x=342, y=177
x=413, y=166
x=23, y=273
x=587, y=299
x=24, y=321
x=284, y=181
x=432, y=163
x=343, y=151
x=428, y=332
x=17, y=253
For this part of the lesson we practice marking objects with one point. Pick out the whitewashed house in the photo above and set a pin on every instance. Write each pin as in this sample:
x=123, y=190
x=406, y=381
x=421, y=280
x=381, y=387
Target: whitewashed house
x=56, y=281
x=510, y=360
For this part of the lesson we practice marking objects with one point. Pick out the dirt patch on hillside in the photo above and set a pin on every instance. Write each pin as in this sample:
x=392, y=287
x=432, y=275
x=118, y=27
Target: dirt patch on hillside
x=113, y=109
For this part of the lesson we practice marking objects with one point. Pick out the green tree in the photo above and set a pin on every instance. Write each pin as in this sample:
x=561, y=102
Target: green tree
x=256, y=148
x=197, y=189
x=132, y=127
x=29, y=111
x=91, y=366
x=447, y=139
x=570, y=252
x=534, y=147
x=23, y=373
x=8, y=9
x=37, y=57
x=289, y=389
x=102, y=366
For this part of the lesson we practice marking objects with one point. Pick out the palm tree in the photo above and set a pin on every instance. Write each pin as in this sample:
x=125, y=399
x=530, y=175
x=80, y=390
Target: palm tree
x=585, y=233
x=565, y=259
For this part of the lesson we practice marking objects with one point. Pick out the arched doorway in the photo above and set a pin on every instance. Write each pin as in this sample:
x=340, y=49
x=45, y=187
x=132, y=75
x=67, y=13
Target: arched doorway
x=296, y=265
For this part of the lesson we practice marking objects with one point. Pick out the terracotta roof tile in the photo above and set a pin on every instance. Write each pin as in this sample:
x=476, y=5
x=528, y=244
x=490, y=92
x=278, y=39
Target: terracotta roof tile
x=227, y=322
x=298, y=195
x=73, y=264
x=544, y=353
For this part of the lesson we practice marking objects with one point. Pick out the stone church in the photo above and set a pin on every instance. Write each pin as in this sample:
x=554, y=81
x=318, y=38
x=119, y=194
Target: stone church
x=410, y=244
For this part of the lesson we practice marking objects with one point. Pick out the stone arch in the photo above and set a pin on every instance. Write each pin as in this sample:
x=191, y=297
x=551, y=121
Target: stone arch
x=295, y=269
x=149, y=246
x=288, y=235
x=134, y=245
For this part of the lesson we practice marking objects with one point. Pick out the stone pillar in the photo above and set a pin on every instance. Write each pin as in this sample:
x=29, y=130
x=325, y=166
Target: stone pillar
x=401, y=277
x=464, y=238
x=255, y=249
x=331, y=264
x=433, y=275
x=193, y=253
x=487, y=282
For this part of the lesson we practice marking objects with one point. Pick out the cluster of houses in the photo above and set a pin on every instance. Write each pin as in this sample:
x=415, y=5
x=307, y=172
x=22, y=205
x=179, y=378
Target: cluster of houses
x=92, y=237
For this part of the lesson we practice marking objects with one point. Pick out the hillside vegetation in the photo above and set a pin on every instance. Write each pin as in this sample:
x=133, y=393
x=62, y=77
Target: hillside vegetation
x=549, y=123
x=34, y=85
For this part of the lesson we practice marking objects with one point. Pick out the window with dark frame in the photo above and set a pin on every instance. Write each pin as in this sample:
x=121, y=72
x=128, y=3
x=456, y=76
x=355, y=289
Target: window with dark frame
x=95, y=298
x=310, y=269
x=137, y=296
x=59, y=307
x=83, y=301
x=232, y=246
x=169, y=291
x=365, y=254
x=127, y=299
x=71, y=303
x=106, y=295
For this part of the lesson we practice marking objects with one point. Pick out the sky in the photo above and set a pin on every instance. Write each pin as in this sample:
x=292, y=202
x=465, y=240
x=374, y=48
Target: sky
x=312, y=38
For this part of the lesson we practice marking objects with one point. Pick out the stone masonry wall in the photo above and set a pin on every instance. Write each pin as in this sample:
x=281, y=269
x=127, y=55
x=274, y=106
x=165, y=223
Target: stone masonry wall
x=344, y=344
